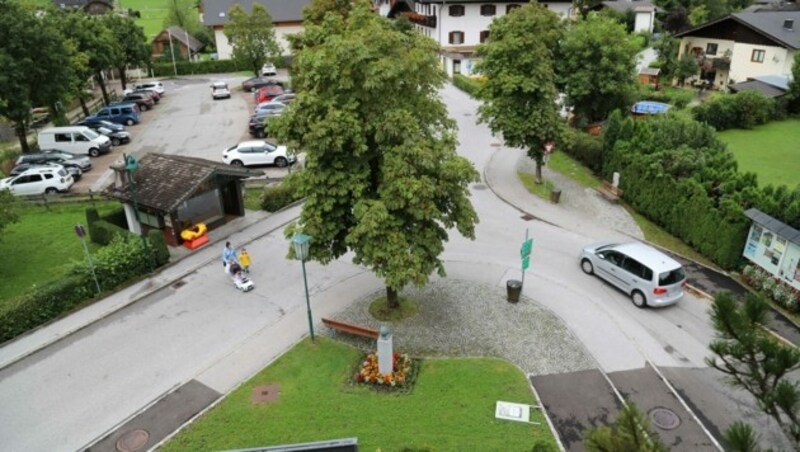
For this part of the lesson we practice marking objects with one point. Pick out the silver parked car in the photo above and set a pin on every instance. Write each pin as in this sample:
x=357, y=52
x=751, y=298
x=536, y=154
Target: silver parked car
x=648, y=276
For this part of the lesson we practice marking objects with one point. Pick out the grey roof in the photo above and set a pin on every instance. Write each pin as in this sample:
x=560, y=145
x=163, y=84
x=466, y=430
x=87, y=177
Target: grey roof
x=778, y=81
x=757, y=85
x=650, y=71
x=215, y=12
x=185, y=38
x=782, y=229
x=766, y=22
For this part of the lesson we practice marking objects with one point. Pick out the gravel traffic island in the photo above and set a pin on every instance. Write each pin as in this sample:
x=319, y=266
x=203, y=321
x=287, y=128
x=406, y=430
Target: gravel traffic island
x=464, y=318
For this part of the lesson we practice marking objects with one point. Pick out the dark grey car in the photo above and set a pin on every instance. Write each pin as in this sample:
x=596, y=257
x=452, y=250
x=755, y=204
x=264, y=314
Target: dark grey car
x=58, y=157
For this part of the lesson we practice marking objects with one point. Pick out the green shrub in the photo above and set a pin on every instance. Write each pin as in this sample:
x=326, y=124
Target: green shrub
x=92, y=217
x=198, y=67
x=117, y=217
x=279, y=196
x=467, y=84
x=43, y=304
x=676, y=97
x=743, y=110
x=104, y=232
x=159, y=247
x=583, y=147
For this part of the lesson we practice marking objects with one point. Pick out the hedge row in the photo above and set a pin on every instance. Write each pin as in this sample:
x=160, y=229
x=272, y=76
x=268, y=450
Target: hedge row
x=103, y=229
x=185, y=67
x=743, y=110
x=583, y=147
x=123, y=260
x=466, y=84
x=279, y=196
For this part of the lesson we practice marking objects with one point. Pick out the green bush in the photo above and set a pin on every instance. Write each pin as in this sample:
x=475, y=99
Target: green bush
x=199, y=67
x=466, y=84
x=43, y=304
x=159, y=247
x=116, y=217
x=92, y=217
x=279, y=196
x=104, y=232
x=743, y=110
x=676, y=97
x=583, y=147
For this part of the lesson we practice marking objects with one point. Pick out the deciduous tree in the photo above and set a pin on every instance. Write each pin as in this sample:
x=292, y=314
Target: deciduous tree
x=666, y=48
x=597, y=67
x=793, y=95
x=755, y=361
x=519, y=94
x=252, y=36
x=687, y=67
x=134, y=50
x=382, y=178
x=94, y=38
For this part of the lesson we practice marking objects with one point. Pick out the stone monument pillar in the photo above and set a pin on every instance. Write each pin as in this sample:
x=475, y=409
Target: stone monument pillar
x=385, y=351
x=615, y=180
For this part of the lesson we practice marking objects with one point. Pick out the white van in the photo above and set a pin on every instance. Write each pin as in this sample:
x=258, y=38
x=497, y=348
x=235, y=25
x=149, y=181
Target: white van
x=75, y=139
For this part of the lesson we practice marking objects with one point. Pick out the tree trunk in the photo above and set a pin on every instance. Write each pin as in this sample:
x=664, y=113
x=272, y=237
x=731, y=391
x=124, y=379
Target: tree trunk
x=538, y=172
x=84, y=107
x=22, y=134
x=102, y=83
x=392, y=300
x=123, y=77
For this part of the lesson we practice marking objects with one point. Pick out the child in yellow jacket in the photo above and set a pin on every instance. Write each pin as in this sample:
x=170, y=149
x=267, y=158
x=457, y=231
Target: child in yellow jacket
x=244, y=260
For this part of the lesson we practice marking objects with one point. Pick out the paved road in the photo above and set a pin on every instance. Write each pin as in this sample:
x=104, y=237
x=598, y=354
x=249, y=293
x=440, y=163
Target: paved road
x=93, y=381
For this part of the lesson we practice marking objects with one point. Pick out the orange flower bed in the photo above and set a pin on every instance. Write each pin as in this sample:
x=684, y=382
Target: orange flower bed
x=369, y=374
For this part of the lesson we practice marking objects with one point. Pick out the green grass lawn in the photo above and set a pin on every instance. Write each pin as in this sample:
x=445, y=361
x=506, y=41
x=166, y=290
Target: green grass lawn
x=772, y=151
x=252, y=197
x=153, y=13
x=41, y=246
x=451, y=407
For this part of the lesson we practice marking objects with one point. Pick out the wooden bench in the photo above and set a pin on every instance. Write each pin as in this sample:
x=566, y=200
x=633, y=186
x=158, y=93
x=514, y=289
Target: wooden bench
x=609, y=191
x=350, y=328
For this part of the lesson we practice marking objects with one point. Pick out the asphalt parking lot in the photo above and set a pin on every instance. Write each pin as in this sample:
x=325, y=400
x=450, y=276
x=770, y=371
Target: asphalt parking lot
x=186, y=122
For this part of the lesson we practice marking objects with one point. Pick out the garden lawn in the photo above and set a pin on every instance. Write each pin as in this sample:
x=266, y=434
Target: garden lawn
x=42, y=245
x=772, y=151
x=450, y=408
x=153, y=14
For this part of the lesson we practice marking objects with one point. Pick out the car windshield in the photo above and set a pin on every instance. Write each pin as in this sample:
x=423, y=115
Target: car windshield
x=91, y=134
x=671, y=277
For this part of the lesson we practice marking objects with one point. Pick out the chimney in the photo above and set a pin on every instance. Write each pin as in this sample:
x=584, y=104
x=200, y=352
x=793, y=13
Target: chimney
x=788, y=24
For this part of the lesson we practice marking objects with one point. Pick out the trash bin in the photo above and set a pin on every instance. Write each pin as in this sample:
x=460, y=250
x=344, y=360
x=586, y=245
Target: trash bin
x=555, y=195
x=513, y=289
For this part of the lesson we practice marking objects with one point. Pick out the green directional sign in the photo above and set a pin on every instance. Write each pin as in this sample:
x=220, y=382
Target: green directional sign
x=527, y=246
x=526, y=262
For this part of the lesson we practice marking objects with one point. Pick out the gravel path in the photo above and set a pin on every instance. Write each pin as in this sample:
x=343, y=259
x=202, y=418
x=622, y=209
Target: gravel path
x=463, y=318
x=584, y=201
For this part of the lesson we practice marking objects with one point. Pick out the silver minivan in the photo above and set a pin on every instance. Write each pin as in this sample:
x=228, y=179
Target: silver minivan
x=648, y=276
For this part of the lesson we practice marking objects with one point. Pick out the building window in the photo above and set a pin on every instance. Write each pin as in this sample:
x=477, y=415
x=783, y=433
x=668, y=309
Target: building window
x=488, y=10
x=758, y=56
x=456, y=10
x=456, y=37
x=711, y=49
x=510, y=8
x=484, y=35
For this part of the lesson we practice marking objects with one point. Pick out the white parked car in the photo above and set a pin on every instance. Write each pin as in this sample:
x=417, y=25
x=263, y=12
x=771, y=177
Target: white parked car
x=258, y=152
x=155, y=86
x=219, y=90
x=268, y=69
x=49, y=179
x=648, y=276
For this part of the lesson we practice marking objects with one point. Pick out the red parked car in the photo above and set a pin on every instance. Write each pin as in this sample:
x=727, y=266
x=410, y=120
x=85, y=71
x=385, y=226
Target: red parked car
x=268, y=93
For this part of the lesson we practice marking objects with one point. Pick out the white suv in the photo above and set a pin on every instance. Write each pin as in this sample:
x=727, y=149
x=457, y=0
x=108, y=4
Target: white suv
x=37, y=180
x=257, y=152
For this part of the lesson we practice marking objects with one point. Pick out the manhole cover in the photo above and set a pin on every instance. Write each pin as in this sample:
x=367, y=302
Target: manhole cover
x=479, y=187
x=179, y=284
x=527, y=217
x=664, y=418
x=133, y=441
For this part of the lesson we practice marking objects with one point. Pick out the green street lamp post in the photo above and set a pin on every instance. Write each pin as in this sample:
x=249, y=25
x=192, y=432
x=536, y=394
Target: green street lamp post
x=301, y=244
x=132, y=165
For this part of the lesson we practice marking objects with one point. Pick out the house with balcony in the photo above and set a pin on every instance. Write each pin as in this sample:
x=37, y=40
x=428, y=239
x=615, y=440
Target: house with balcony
x=287, y=19
x=744, y=46
x=459, y=26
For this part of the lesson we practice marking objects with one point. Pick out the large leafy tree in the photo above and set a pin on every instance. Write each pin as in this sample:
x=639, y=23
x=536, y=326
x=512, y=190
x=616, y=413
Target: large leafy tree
x=519, y=93
x=252, y=36
x=687, y=67
x=755, y=361
x=666, y=48
x=134, y=50
x=94, y=38
x=597, y=67
x=32, y=56
x=793, y=95
x=382, y=177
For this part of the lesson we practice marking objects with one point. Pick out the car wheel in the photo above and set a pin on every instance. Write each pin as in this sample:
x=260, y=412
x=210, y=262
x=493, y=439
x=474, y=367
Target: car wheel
x=253, y=89
x=638, y=299
x=129, y=122
x=143, y=107
x=281, y=162
x=94, y=152
x=587, y=267
x=237, y=163
x=260, y=133
x=115, y=142
x=51, y=191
